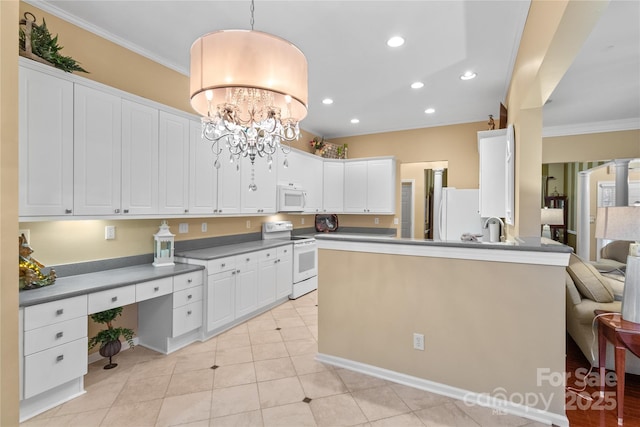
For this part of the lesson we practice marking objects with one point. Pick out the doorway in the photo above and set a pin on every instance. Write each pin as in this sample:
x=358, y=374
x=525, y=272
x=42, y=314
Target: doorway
x=407, y=211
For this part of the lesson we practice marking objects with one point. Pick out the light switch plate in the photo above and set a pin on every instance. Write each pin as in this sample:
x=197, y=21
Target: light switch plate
x=110, y=232
x=183, y=227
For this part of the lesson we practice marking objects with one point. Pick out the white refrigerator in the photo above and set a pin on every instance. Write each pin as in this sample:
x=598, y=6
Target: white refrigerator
x=460, y=213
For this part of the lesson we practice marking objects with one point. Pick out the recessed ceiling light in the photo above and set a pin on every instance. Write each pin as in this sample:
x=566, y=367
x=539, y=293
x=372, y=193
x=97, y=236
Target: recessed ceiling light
x=468, y=75
x=354, y=121
x=327, y=101
x=417, y=85
x=430, y=111
x=395, y=41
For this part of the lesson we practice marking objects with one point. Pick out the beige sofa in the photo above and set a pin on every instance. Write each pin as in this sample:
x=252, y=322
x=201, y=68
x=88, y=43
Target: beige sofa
x=589, y=290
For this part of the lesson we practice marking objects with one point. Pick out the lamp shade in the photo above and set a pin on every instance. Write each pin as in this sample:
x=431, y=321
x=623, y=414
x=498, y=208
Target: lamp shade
x=618, y=223
x=223, y=61
x=552, y=216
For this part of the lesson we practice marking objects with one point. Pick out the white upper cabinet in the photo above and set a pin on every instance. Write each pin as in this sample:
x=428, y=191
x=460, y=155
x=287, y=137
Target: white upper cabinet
x=203, y=176
x=305, y=170
x=229, y=180
x=263, y=199
x=97, y=152
x=496, y=174
x=139, y=159
x=46, y=144
x=333, y=186
x=174, y=163
x=369, y=186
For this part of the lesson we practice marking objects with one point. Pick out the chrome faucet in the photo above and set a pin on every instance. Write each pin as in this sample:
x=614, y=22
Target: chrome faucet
x=486, y=224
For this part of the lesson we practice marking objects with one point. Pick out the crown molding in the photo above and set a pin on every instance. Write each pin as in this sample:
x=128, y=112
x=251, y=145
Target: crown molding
x=50, y=7
x=594, y=127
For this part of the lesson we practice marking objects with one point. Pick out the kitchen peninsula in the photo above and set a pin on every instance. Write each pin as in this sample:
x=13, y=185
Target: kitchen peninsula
x=491, y=316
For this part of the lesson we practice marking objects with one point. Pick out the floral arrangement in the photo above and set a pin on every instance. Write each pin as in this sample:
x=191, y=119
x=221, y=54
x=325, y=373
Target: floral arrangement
x=317, y=143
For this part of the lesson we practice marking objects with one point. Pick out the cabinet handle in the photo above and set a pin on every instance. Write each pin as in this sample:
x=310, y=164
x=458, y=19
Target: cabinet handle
x=238, y=271
x=189, y=313
x=59, y=312
x=223, y=265
x=59, y=335
x=156, y=289
x=189, y=296
x=114, y=299
x=126, y=211
x=68, y=211
x=268, y=255
x=233, y=272
x=60, y=358
x=189, y=280
x=248, y=259
x=116, y=210
x=186, y=211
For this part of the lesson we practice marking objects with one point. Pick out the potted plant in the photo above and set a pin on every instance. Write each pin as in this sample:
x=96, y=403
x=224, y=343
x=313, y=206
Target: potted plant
x=109, y=339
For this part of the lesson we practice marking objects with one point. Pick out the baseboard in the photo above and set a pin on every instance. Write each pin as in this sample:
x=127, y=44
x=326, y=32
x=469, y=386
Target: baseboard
x=466, y=396
x=94, y=357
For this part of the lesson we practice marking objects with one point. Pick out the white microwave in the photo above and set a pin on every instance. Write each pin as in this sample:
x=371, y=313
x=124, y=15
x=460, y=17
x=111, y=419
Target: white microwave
x=291, y=198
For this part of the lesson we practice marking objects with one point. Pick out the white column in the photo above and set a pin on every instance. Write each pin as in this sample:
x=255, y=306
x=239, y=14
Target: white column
x=583, y=230
x=622, y=182
x=437, y=201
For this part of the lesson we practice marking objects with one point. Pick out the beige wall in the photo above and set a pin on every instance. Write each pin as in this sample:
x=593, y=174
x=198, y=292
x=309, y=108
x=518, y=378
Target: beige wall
x=486, y=324
x=591, y=147
x=8, y=213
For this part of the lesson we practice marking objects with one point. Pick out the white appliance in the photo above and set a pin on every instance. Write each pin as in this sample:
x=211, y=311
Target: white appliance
x=460, y=213
x=291, y=198
x=305, y=256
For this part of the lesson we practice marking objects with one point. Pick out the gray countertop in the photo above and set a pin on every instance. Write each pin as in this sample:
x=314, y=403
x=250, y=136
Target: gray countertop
x=66, y=287
x=230, y=250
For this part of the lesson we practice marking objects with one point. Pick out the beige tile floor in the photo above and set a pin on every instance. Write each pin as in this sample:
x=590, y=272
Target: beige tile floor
x=265, y=375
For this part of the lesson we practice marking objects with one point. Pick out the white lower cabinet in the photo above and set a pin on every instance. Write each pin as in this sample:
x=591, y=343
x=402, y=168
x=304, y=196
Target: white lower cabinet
x=267, y=276
x=284, y=273
x=246, y=284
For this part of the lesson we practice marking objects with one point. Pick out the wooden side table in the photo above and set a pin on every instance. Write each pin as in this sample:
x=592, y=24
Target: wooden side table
x=624, y=336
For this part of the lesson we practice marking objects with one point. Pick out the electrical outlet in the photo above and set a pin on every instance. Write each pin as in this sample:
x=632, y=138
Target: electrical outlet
x=248, y=223
x=110, y=232
x=376, y=220
x=395, y=221
x=418, y=341
x=183, y=227
x=204, y=227
x=302, y=221
x=27, y=234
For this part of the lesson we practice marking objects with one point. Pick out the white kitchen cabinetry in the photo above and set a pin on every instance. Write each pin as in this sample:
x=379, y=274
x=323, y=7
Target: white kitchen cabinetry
x=267, y=276
x=246, y=284
x=96, y=152
x=284, y=272
x=305, y=170
x=46, y=144
x=333, y=186
x=229, y=180
x=220, y=300
x=139, y=159
x=262, y=200
x=174, y=163
x=203, y=176
x=369, y=186
x=497, y=173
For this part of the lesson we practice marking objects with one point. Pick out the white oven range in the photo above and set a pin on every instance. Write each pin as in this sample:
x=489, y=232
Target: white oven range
x=305, y=256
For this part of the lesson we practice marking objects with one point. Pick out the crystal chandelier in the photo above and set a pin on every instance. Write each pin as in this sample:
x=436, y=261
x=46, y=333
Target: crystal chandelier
x=250, y=88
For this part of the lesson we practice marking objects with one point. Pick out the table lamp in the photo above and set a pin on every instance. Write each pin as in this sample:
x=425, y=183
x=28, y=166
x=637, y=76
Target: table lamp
x=623, y=223
x=550, y=216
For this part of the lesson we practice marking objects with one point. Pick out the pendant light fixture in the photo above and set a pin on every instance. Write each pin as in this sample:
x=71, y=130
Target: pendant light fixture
x=251, y=90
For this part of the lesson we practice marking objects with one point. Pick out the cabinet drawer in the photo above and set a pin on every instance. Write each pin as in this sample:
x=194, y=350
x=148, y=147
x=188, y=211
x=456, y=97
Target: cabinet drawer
x=221, y=264
x=187, y=318
x=188, y=280
x=49, y=368
x=267, y=255
x=53, y=335
x=154, y=288
x=284, y=252
x=36, y=316
x=249, y=259
x=187, y=296
x=112, y=298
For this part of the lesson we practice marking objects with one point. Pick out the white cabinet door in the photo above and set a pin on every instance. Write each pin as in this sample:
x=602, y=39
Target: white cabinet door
x=139, y=159
x=203, y=176
x=263, y=199
x=267, y=276
x=284, y=276
x=174, y=164
x=381, y=184
x=493, y=187
x=246, y=284
x=355, y=186
x=312, y=183
x=221, y=299
x=46, y=144
x=97, y=152
x=229, y=178
x=333, y=186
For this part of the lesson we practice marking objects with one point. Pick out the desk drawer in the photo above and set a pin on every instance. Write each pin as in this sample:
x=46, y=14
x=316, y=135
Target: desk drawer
x=112, y=298
x=53, y=335
x=154, y=288
x=187, y=296
x=47, y=369
x=221, y=264
x=187, y=318
x=39, y=315
x=188, y=280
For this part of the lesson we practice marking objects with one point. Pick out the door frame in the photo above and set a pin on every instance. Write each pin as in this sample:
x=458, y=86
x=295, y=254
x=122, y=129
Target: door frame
x=412, y=202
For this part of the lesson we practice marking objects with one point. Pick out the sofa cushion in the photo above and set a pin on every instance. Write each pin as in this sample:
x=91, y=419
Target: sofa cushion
x=583, y=313
x=590, y=283
x=572, y=292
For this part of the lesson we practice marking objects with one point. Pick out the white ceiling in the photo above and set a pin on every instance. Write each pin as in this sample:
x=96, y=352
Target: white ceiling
x=349, y=61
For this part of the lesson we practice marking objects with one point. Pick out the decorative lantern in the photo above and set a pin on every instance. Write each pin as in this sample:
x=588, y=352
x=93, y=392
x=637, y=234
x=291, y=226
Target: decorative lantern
x=163, y=247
